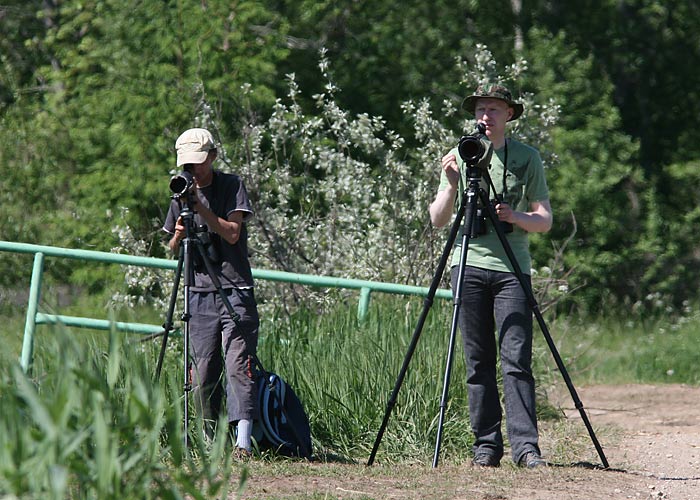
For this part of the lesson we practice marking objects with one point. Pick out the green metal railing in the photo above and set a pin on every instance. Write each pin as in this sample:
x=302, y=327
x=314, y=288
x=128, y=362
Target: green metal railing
x=34, y=317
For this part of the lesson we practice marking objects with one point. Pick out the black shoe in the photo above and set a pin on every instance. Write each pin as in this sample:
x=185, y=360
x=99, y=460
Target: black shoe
x=486, y=460
x=531, y=460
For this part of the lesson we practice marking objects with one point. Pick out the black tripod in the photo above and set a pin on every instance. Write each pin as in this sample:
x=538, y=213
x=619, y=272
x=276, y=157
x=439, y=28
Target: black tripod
x=468, y=211
x=191, y=243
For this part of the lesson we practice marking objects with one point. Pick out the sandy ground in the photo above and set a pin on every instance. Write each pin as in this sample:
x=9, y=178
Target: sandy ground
x=650, y=436
x=660, y=434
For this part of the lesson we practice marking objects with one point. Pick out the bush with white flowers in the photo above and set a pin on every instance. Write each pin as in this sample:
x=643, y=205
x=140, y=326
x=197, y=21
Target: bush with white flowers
x=343, y=195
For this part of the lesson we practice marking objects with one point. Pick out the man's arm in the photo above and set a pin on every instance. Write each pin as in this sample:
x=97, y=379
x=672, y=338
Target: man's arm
x=229, y=229
x=442, y=207
x=537, y=220
x=174, y=242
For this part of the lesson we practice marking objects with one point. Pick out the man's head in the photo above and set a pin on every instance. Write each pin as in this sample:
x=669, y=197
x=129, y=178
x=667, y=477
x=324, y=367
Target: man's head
x=196, y=152
x=498, y=92
x=193, y=146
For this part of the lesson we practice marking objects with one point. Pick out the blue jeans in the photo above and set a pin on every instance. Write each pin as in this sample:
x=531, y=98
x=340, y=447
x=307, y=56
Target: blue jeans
x=493, y=300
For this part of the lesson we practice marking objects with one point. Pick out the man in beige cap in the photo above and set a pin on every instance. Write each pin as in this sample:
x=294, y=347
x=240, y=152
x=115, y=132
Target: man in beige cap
x=218, y=344
x=492, y=297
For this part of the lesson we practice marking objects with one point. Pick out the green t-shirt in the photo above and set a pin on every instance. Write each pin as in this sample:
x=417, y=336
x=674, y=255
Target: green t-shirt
x=526, y=183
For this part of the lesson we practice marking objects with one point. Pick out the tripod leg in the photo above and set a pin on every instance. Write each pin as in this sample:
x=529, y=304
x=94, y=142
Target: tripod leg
x=543, y=326
x=168, y=325
x=187, y=383
x=469, y=222
x=427, y=304
x=185, y=265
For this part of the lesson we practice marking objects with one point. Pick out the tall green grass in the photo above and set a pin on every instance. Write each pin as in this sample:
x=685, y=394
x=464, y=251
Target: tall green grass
x=91, y=421
x=345, y=372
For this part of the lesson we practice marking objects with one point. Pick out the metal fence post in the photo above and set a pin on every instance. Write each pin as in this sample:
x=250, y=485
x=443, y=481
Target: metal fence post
x=363, y=306
x=30, y=323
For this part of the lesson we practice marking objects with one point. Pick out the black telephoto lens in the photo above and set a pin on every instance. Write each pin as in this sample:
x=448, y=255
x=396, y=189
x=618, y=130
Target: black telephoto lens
x=470, y=148
x=181, y=183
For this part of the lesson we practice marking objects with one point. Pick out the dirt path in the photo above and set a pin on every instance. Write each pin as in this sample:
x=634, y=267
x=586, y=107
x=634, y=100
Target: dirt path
x=660, y=434
x=650, y=436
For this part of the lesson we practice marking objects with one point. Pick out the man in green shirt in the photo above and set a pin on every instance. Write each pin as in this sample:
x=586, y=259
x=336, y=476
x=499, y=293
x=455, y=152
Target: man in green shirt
x=492, y=297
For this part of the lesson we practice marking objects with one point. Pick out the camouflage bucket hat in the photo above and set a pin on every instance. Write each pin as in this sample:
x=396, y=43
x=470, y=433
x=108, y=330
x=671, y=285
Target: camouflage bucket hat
x=493, y=92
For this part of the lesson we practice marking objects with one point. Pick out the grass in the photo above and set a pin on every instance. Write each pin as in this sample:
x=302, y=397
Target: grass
x=91, y=421
x=617, y=350
x=345, y=371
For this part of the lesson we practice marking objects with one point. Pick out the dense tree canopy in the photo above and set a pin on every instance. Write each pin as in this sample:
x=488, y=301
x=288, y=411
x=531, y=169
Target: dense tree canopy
x=93, y=94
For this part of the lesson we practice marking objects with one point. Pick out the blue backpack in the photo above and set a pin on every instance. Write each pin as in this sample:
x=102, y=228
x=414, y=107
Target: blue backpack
x=283, y=425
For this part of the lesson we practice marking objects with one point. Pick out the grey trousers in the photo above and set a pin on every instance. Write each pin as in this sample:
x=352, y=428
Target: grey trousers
x=495, y=301
x=221, y=354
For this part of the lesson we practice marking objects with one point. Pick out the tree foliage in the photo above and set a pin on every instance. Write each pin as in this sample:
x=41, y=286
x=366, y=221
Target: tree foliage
x=649, y=49
x=341, y=162
x=115, y=91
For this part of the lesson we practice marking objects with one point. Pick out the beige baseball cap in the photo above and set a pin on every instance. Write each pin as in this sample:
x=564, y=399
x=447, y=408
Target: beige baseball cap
x=193, y=146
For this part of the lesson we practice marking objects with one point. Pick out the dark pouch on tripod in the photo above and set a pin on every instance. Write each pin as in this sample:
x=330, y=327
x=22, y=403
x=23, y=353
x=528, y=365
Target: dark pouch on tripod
x=214, y=248
x=479, y=227
x=211, y=243
x=481, y=222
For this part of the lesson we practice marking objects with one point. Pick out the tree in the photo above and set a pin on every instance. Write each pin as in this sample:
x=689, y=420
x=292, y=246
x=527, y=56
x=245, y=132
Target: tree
x=650, y=49
x=91, y=101
x=386, y=53
x=595, y=189
x=116, y=90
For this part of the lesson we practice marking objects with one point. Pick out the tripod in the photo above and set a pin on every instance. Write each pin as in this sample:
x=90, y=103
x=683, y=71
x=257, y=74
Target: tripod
x=467, y=210
x=191, y=243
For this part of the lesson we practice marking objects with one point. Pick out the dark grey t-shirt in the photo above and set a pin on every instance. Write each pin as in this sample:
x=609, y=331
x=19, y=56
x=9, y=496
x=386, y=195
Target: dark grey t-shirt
x=226, y=194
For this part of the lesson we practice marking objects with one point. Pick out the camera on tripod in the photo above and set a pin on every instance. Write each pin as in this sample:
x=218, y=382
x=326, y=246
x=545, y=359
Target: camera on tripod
x=476, y=149
x=182, y=185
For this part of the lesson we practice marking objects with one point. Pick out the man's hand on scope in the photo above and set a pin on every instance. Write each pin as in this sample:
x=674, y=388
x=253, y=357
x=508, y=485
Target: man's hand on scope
x=179, y=230
x=451, y=169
